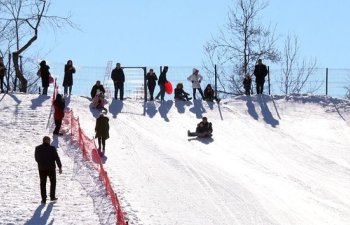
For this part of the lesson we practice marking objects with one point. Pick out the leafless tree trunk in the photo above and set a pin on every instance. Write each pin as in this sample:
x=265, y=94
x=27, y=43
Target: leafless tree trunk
x=21, y=21
x=241, y=42
x=295, y=74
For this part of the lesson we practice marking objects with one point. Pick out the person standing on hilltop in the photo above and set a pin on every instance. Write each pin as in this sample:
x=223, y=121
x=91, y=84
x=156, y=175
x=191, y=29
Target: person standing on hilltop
x=118, y=78
x=260, y=72
x=68, y=77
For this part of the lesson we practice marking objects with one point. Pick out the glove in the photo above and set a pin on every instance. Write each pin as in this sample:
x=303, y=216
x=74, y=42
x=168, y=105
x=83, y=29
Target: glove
x=199, y=81
x=60, y=171
x=192, y=81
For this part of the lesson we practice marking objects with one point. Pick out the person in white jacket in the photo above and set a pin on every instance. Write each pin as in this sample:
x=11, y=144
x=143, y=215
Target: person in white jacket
x=196, y=79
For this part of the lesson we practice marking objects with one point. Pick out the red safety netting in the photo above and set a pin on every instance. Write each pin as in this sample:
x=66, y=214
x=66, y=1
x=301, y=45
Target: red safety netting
x=90, y=154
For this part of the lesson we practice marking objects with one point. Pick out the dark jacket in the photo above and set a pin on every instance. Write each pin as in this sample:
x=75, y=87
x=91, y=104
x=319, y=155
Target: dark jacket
x=102, y=127
x=95, y=88
x=2, y=69
x=118, y=75
x=44, y=74
x=46, y=156
x=68, y=75
x=162, y=77
x=59, y=105
x=260, y=72
x=247, y=83
x=179, y=93
x=209, y=92
x=207, y=127
x=151, y=79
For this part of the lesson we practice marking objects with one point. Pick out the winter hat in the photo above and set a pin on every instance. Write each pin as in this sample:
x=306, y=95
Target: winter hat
x=194, y=70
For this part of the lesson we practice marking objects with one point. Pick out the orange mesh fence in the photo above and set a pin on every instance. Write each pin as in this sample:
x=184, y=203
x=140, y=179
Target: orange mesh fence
x=90, y=154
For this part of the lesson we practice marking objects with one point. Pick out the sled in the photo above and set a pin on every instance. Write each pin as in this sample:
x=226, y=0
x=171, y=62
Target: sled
x=168, y=87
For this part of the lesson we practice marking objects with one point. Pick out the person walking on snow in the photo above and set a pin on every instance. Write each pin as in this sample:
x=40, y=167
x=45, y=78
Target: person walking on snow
x=44, y=73
x=59, y=105
x=102, y=132
x=195, y=78
x=46, y=156
x=161, y=82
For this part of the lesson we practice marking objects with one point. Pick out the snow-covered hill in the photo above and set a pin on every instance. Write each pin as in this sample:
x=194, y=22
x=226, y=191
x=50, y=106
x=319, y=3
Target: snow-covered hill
x=271, y=161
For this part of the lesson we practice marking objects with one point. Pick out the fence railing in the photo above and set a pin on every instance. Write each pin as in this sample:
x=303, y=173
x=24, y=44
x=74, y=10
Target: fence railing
x=329, y=81
x=90, y=154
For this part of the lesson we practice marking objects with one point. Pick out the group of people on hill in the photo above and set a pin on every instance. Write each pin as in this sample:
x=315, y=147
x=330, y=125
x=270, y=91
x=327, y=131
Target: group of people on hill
x=260, y=72
x=46, y=155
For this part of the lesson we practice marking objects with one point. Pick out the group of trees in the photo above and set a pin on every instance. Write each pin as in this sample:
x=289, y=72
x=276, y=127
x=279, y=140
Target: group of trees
x=20, y=23
x=243, y=40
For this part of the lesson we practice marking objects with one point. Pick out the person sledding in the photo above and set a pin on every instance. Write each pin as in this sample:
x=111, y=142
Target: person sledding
x=180, y=94
x=204, y=129
x=99, y=100
x=98, y=96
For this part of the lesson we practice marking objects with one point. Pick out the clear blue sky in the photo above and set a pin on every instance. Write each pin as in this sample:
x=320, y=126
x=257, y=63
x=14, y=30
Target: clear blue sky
x=168, y=32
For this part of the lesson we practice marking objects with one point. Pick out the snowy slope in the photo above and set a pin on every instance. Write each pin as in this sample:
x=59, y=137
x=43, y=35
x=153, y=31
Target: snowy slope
x=271, y=161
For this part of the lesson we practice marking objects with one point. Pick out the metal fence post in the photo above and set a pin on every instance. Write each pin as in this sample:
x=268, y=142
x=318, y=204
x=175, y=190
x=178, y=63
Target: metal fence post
x=326, y=81
x=215, y=81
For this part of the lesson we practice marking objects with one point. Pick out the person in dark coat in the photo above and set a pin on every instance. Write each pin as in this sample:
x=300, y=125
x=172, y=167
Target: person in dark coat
x=180, y=94
x=260, y=72
x=68, y=77
x=2, y=74
x=44, y=73
x=97, y=86
x=161, y=83
x=46, y=156
x=247, y=83
x=59, y=105
x=151, y=78
x=204, y=129
x=209, y=94
x=102, y=132
x=118, y=78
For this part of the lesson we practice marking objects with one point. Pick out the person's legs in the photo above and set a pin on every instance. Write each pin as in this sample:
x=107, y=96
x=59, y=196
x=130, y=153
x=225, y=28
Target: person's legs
x=99, y=140
x=52, y=177
x=162, y=91
x=70, y=90
x=43, y=179
x=58, y=124
x=121, y=87
x=103, y=144
x=65, y=90
x=2, y=84
x=201, y=92
x=45, y=90
x=151, y=91
x=194, y=93
x=115, y=91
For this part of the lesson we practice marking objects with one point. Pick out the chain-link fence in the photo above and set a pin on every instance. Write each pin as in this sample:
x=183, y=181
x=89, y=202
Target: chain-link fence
x=322, y=81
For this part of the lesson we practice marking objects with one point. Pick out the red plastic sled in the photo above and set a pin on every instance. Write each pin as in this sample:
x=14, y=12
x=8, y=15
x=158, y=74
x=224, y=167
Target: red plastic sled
x=168, y=88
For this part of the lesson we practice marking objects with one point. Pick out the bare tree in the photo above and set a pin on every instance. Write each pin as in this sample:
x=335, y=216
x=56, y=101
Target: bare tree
x=296, y=74
x=241, y=42
x=21, y=21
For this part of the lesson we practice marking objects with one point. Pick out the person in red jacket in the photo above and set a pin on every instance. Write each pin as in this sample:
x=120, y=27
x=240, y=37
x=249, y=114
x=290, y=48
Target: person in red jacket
x=59, y=106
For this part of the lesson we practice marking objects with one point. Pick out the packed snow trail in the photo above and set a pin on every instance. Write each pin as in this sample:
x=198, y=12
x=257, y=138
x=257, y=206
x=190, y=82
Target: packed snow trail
x=24, y=121
x=271, y=161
